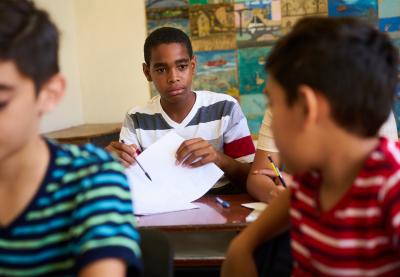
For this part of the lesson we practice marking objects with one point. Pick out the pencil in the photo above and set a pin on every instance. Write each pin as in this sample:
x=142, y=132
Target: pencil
x=144, y=171
x=276, y=170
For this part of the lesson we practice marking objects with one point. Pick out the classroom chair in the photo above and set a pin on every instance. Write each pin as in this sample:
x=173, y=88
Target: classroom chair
x=274, y=258
x=157, y=254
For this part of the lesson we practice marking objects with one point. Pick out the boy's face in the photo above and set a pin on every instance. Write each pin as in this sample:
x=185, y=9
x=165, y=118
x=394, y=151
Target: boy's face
x=171, y=69
x=288, y=129
x=20, y=108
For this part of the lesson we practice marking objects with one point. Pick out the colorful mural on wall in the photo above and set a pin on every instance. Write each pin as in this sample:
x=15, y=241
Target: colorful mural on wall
x=150, y=4
x=212, y=27
x=217, y=71
x=257, y=24
x=172, y=17
x=232, y=38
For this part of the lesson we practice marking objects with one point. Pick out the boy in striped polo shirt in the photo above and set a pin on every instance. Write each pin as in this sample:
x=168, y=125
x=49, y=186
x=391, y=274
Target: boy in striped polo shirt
x=64, y=210
x=331, y=85
x=213, y=124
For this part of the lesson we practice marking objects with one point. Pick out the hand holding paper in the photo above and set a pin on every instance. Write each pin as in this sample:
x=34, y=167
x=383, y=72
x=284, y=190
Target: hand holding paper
x=173, y=187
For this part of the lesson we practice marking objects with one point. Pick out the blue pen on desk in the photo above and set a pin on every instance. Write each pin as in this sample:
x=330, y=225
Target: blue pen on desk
x=144, y=171
x=276, y=170
x=223, y=203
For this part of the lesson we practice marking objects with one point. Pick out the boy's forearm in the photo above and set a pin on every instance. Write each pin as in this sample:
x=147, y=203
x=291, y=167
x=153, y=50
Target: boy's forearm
x=260, y=187
x=235, y=171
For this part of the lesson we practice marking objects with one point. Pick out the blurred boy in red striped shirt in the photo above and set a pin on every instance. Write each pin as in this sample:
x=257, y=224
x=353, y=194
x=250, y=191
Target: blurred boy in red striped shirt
x=331, y=86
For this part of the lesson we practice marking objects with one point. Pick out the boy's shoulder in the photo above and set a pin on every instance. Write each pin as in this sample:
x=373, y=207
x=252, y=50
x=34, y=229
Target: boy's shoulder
x=83, y=167
x=210, y=97
x=380, y=170
x=385, y=159
x=382, y=165
x=76, y=157
x=209, y=102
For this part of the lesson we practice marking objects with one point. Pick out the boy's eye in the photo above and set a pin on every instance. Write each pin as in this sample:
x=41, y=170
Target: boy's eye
x=3, y=104
x=160, y=70
x=182, y=66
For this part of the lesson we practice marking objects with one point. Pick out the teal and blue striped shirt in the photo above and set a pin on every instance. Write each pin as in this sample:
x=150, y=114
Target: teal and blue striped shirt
x=81, y=213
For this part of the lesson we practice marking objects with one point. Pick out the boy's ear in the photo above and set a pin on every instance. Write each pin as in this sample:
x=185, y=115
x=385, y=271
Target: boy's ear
x=146, y=71
x=309, y=104
x=193, y=63
x=51, y=93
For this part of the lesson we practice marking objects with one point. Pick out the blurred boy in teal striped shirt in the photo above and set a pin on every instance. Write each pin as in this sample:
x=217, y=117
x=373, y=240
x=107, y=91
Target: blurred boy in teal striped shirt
x=64, y=210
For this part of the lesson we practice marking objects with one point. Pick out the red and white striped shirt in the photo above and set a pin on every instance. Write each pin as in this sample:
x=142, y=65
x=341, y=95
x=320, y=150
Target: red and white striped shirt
x=360, y=235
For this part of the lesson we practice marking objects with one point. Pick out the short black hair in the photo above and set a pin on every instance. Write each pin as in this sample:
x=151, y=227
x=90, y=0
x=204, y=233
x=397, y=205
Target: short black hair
x=165, y=35
x=29, y=39
x=348, y=61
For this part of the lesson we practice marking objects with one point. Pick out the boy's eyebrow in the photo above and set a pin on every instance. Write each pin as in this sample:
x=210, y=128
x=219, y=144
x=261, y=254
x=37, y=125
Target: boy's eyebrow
x=159, y=65
x=182, y=61
x=6, y=88
x=156, y=65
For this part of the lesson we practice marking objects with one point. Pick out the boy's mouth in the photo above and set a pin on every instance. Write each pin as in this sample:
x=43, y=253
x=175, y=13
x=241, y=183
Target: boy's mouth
x=175, y=91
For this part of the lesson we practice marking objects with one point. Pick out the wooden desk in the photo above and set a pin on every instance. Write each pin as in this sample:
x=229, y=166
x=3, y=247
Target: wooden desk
x=200, y=237
x=99, y=134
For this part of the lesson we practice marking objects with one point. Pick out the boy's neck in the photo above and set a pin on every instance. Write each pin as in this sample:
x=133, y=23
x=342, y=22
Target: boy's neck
x=21, y=175
x=346, y=158
x=342, y=162
x=178, y=111
x=29, y=160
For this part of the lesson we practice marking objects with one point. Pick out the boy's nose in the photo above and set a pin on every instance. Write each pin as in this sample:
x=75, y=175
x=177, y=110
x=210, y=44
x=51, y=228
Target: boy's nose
x=173, y=77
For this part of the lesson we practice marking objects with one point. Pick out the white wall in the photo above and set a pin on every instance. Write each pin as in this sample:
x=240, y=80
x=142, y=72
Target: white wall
x=70, y=111
x=101, y=56
x=111, y=36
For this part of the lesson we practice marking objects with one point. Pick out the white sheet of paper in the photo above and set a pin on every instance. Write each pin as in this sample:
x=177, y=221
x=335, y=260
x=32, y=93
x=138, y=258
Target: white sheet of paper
x=164, y=208
x=259, y=206
x=172, y=187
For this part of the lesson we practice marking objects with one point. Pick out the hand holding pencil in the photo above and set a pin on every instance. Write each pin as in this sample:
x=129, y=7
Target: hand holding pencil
x=274, y=173
x=141, y=167
x=126, y=153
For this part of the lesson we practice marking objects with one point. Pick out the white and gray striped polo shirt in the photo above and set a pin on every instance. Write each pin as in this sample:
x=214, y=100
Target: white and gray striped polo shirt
x=215, y=117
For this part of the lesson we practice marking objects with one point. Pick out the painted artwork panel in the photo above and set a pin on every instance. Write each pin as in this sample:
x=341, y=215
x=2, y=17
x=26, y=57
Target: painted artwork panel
x=388, y=8
x=215, y=42
x=288, y=22
x=252, y=76
x=208, y=20
x=212, y=27
x=304, y=7
x=253, y=106
x=293, y=11
x=257, y=24
x=172, y=17
x=165, y=3
x=391, y=24
x=217, y=71
x=362, y=8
